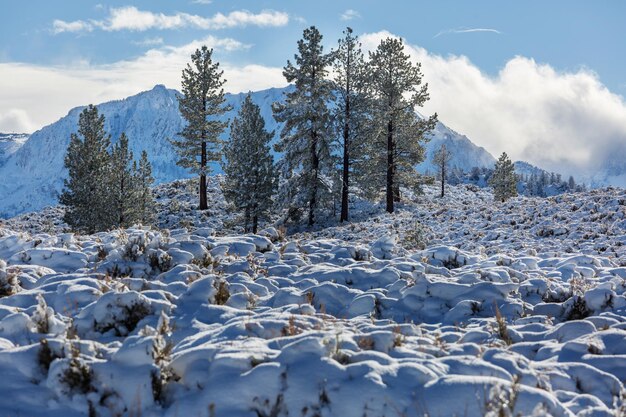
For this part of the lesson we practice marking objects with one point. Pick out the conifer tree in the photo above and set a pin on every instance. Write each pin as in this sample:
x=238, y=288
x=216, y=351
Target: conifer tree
x=398, y=89
x=122, y=185
x=504, y=179
x=250, y=175
x=441, y=159
x=306, y=137
x=201, y=103
x=85, y=194
x=571, y=184
x=351, y=112
x=145, y=203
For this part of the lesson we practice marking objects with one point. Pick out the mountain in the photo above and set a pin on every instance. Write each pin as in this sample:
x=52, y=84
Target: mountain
x=465, y=154
x=612, y=170
x=10, y=143
x=33, y=174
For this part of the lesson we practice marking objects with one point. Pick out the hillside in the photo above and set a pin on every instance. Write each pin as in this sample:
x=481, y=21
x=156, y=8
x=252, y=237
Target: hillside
x=10, y=143
x=455, y=298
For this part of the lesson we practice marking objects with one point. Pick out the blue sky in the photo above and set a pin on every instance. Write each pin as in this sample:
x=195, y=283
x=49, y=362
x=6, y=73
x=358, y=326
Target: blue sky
x=528, y=77
x=566, y=34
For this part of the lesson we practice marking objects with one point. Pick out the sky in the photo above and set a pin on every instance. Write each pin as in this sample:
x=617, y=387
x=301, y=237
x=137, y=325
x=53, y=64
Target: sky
x=543, y=81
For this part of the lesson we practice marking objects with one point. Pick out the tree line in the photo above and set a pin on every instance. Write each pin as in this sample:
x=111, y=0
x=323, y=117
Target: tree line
x=352, y=129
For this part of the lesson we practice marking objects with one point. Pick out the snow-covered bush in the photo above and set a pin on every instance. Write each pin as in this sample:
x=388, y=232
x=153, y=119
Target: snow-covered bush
x=9, y=284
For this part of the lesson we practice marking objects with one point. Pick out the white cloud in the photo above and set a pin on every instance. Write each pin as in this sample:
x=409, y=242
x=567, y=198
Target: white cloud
x=15, y=121
x=567, y=121
x=24, y=85
x=149, y=42
x=202, y=1
x=350, y=14
x=59, y=26
x=132, y=19
x=467, y=30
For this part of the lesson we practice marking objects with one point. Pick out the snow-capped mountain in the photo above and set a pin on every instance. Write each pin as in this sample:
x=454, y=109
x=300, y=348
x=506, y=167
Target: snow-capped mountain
x=465, y=154
x=10, y=143
x=33, y=174
x=612, y=171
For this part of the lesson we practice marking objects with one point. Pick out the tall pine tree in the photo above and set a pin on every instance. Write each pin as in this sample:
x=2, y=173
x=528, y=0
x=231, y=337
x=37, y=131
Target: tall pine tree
x=398, y=89
x=122, y=185
x=504, y=180
x=306, y=137
x=250, y=174
x=145, y=205
x=86, y=194
x=351, y=112
x=201, y=103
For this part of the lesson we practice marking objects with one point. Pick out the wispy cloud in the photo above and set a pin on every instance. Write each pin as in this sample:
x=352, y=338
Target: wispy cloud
x=132, y=19
x=202, y=1
x=82, y=82
x=60, y=26
x=350, y=14
x=467, y=30
x=149, y=42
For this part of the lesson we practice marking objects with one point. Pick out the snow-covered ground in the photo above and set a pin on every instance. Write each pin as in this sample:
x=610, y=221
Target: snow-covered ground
x=449, y=307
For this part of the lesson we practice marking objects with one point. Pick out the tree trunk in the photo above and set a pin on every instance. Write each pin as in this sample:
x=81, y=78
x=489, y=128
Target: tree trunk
x=203, y=198
x=246, y=219
x=315, y=166
x=443, y=179
x=346, y=149
x=346, y=165
x=390, y=184
x=255, y=223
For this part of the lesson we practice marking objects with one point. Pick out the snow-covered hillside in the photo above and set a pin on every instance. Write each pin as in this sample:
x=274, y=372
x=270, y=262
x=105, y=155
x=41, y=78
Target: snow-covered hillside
x=33, y=176
x=465, y=155
x=507, y=309
x=10, y=143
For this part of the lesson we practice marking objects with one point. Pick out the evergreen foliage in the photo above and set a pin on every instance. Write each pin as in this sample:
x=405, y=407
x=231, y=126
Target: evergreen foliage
x=352, y=108
x=250, y=173
x=104, y=189
x=146, y=205
x=396, y=143
x=87, y=160
x=307, y=136
x=122, y=185
x=504, y=180
x=201, y=103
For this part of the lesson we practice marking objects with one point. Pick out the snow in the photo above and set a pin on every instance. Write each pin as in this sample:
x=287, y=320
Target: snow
x=508, y=309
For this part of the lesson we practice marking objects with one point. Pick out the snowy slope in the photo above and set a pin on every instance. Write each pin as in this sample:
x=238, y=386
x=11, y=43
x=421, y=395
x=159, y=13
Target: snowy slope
x=33, y=175
x=465, y=154
x=512, y=309
x=10, y=143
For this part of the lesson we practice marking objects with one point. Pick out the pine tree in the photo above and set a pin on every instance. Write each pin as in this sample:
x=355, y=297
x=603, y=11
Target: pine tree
x=504, y=180
x=145, y=205
x=398, y=89
x=441, y=159
x=250, y=174
x=85, y=192
x=571, y=184
x=475, y=174
x=351, y=112
x=122, y=185
x=306, y=137
x=202, y=101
